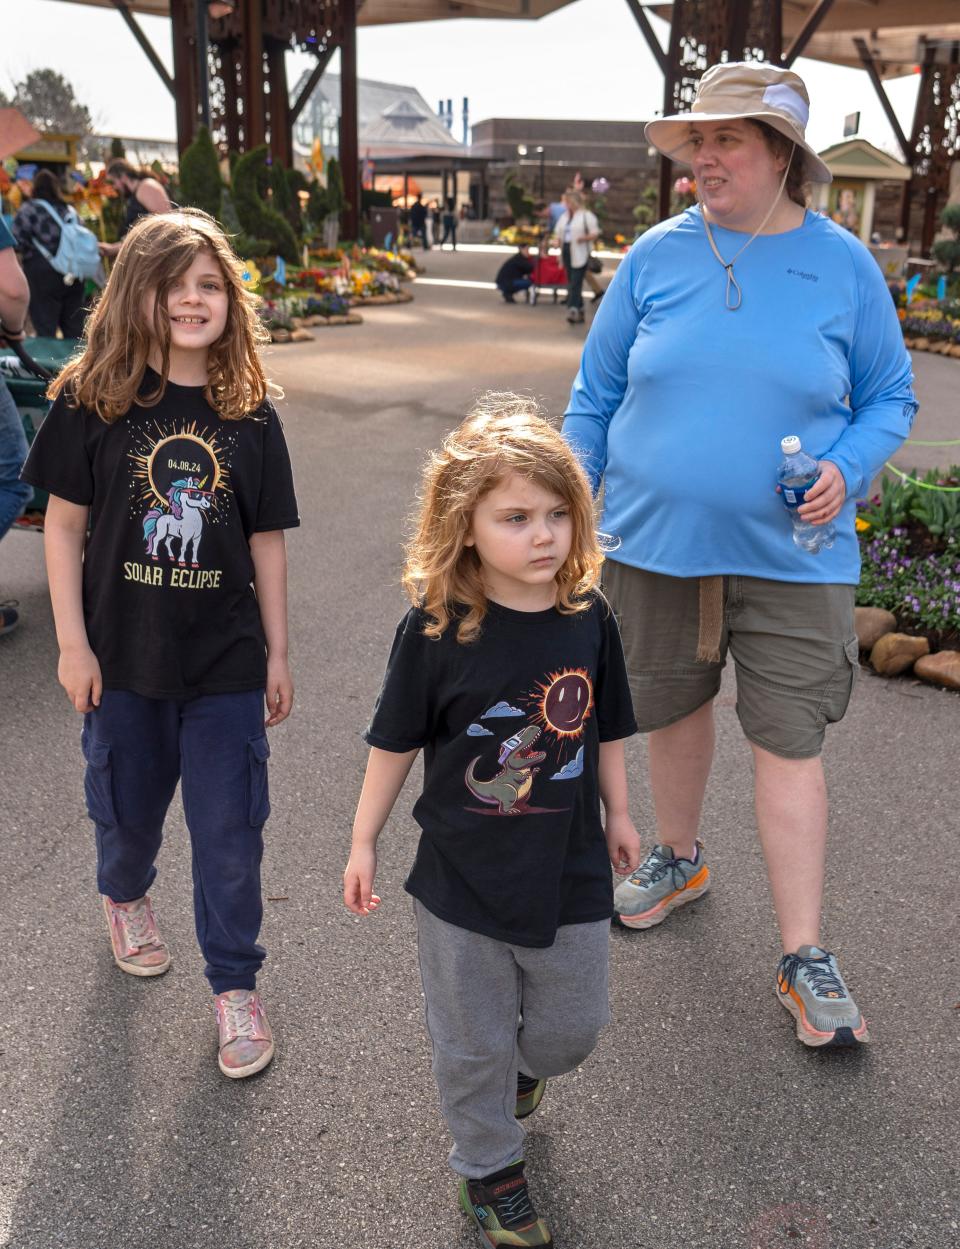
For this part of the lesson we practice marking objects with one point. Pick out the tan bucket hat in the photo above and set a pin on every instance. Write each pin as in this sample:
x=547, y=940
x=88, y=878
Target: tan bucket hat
x=741, y=89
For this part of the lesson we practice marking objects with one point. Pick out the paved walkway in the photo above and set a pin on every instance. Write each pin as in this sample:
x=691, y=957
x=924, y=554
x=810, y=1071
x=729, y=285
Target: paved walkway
x=700, y=1123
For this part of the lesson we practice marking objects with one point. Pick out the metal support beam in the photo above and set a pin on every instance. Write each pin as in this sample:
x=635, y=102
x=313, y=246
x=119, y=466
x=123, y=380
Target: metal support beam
x=185, y=97
x=870, y=66
x=640, y=17
x=148, y=48
x=349, y=119
x=807, y=31
x=202, y=42
x=323, y=60
x=254, y=105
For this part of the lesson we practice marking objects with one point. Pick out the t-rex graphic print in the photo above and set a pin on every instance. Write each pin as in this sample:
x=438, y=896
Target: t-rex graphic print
x=508, y=790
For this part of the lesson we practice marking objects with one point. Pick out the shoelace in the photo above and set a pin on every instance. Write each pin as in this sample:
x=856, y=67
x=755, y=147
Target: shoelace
x=515, y=1209
x=824, y=981
x=238, y=1019
x=655, y=866
x=138, y=924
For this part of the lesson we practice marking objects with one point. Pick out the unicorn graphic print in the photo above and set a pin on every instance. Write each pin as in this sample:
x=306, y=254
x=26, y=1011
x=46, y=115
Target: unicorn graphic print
x=183, y=523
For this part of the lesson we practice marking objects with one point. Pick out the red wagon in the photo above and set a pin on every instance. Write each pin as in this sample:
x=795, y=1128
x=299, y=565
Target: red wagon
x=548, y=275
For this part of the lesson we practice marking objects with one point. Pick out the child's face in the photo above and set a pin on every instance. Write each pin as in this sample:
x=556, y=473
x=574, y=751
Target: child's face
x=522, y=534
x=197, y=306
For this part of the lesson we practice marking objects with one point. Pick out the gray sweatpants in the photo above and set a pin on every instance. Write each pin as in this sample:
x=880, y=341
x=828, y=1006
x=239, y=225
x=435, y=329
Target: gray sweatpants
x=476, y=991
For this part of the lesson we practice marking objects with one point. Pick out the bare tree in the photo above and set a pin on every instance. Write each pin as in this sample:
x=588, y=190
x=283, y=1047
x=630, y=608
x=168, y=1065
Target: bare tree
x=47, y=99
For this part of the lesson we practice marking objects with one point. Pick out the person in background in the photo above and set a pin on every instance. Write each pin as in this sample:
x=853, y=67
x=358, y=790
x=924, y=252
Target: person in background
x=513, y=276
x=142, y=193
x=418, y=222
x=575, y=231
x=55, y=303
x=14, y=494
x=450, y=225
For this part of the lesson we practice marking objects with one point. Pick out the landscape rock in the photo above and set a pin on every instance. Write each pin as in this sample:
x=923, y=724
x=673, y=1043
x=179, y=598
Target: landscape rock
x=301, y=336
x=895, y=652
x=943, y=668
x=871, y=623
x=280, y=335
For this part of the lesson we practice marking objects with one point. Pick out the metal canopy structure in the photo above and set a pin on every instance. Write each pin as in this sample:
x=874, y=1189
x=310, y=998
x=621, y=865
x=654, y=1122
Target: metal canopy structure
x=886, y=38
x=229, y=70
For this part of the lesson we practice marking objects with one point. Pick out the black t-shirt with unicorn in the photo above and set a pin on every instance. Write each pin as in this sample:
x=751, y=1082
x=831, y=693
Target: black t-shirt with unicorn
x=510, y=726
x=175, y=493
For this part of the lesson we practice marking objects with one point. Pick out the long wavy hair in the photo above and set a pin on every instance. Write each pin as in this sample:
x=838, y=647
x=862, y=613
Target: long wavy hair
x=107, y=375
x=504, y=434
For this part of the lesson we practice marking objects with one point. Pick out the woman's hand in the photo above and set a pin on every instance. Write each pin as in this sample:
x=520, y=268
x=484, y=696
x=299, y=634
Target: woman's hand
x=623, y=844
x=279, y=692
x=358, y=877
x=79, y=673
x=823, y=501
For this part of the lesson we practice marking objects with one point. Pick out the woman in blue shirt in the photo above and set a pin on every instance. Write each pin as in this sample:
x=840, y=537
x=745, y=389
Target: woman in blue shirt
x=742, y=320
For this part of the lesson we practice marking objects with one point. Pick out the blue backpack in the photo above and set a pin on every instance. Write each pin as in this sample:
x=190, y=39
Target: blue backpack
x=78, y=255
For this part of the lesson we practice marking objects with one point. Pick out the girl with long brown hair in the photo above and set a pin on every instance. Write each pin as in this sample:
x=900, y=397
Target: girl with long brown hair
x=171, y=612
x=508, y=673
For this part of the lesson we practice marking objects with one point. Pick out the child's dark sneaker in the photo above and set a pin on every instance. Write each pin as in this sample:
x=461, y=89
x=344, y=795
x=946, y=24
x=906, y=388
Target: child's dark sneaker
x=530, y=1093
x=245, y=1038
x=138, y=948
x=501, y=1208
x=9, y=616
x=811, y=988
x=660, y=884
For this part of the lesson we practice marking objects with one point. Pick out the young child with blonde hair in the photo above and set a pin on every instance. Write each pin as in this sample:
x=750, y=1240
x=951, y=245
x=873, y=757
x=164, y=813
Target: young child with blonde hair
x=171, y=613
x=508, y=673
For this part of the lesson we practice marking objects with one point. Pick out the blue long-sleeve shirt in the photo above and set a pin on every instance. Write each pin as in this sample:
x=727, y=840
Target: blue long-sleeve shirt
x=680, y=404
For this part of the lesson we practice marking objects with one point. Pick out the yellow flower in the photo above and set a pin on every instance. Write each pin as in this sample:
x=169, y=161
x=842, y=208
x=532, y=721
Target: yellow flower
x=862, y=525
x=251, y=275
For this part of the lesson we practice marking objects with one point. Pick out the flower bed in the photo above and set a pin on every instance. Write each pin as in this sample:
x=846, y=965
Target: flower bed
x=930, y=325
x=910, y=568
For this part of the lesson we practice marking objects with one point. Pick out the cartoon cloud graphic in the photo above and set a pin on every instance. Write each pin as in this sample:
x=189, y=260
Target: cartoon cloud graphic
x=571, y=769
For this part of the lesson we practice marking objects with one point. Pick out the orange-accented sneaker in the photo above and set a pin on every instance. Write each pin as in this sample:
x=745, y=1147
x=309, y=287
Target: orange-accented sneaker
x=810, y=987
x=138, y=948
x=660, y=884
x=246, y=1042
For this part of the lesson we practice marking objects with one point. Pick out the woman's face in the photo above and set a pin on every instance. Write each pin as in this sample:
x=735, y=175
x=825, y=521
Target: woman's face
x=738, y=177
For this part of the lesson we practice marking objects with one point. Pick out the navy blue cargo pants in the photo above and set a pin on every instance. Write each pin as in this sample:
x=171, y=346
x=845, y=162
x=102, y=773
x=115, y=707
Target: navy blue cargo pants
x=136, y=750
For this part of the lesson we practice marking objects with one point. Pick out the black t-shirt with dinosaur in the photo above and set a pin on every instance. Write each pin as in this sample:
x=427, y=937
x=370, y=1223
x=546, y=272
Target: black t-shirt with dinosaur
x=175, y=493
x=510, y=725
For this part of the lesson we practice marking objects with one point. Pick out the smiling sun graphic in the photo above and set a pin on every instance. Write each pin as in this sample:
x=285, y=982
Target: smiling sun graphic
x=563, y=702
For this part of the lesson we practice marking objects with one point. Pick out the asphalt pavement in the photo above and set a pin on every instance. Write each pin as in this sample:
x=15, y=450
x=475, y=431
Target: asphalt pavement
x=699, y=1123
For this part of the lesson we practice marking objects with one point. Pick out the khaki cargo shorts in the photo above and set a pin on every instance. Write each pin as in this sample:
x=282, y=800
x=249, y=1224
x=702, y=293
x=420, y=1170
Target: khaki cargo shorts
x=793, y=646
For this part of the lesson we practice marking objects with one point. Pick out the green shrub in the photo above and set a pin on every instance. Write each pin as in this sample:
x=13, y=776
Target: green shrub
x=257, y=219
x=200, y=183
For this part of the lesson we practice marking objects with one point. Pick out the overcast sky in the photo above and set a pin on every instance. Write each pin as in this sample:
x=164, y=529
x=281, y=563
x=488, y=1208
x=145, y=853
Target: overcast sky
x=589, y=60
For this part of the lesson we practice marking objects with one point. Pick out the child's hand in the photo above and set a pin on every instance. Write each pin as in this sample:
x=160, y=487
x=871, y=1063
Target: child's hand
x=279, y=692
x=358, y=881
x=79, y=674
x=623, y=844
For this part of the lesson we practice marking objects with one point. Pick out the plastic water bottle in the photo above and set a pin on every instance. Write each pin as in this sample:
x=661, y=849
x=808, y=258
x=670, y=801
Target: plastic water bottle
x=796, y=474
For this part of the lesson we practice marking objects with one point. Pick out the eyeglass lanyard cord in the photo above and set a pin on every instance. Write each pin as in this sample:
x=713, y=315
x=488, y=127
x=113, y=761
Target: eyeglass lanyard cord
x=728, y=264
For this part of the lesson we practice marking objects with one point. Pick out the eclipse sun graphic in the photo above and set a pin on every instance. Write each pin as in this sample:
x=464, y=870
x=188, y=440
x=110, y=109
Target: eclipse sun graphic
x=564, y=701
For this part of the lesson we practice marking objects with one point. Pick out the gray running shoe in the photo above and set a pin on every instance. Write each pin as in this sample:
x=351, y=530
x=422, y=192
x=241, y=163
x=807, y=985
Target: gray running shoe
x=659, y=885
x=811, y=988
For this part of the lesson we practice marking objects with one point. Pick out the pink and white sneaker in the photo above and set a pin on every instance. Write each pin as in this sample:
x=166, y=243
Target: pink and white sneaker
x=138, y=948
x=246, y=1042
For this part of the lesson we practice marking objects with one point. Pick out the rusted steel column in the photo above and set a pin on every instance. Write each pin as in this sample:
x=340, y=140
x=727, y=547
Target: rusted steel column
x=251, y=51
x=349, y=119
x=281, y=126
x=185, y=95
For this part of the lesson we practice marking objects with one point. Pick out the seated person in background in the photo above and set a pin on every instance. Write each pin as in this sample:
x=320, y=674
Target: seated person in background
x=514, y=274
